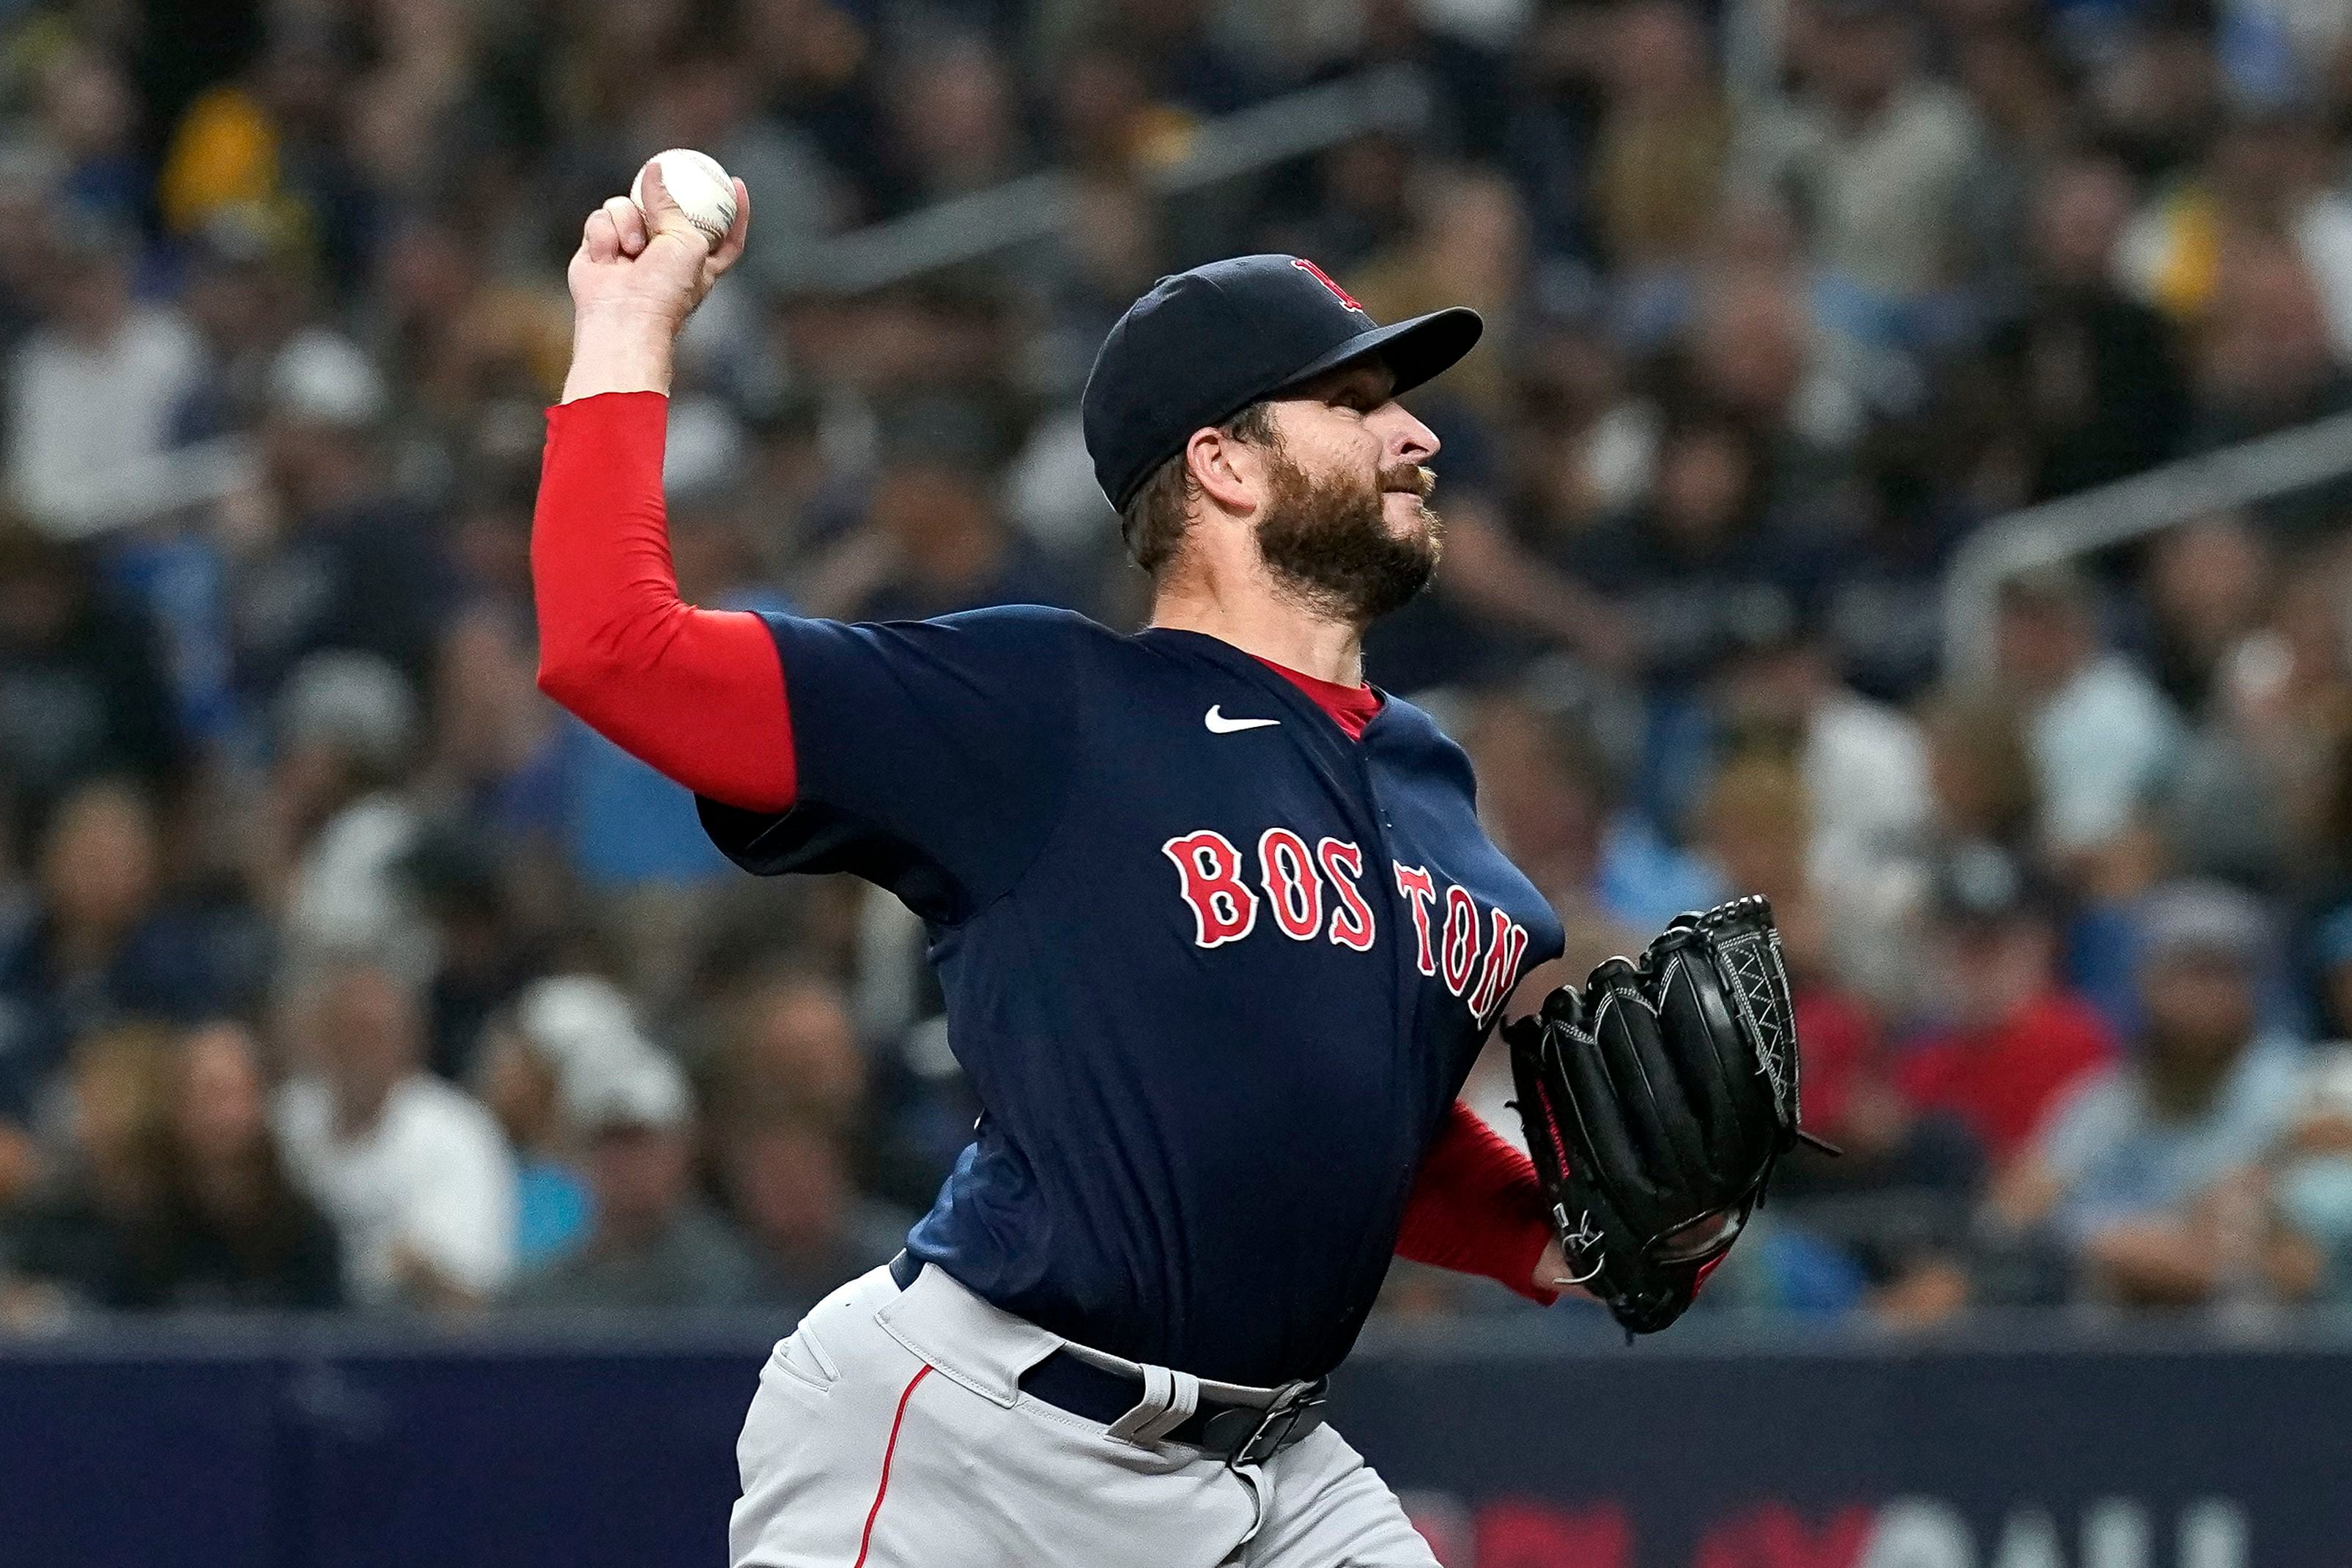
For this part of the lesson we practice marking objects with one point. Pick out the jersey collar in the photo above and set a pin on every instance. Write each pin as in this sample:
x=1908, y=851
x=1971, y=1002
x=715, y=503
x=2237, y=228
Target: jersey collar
x=1302, y=694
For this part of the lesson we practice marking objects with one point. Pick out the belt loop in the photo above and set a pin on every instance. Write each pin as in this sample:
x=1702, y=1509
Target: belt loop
x=1158, y=1393
x=1184, y=1398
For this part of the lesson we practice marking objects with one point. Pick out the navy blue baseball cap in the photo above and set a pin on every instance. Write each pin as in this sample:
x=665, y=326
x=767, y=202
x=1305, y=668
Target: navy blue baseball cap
x=1205, y=344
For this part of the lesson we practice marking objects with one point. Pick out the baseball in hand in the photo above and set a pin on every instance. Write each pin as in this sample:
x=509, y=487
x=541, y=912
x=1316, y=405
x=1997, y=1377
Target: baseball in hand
x=700, y=187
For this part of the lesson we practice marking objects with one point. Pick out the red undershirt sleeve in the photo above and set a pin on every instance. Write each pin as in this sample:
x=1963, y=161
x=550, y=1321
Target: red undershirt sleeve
x=1477, y=1207
x=696, y=694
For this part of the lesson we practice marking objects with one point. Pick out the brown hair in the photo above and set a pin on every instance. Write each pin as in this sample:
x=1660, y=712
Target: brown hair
x=1979, y=745
x=1153, y=521
x=120, y=1081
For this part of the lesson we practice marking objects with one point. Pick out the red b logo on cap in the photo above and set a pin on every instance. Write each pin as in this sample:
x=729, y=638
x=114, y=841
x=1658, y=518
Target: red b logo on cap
x=1324, y=278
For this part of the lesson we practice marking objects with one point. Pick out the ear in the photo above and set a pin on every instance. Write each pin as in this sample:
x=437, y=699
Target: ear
x=1231, y=475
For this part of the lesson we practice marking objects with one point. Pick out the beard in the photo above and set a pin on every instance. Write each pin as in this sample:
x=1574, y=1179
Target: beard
x=1327, y=544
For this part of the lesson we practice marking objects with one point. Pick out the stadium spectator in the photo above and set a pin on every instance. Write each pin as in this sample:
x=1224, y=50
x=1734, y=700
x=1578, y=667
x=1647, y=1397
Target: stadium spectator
x=1865, y=770
x=2209, y=584
x=244, y=295
x=1754, y=351
x=2227, y=808
x=1468, y=245
x=485, y=949
x=75, y=1242
x=335, y=559
x=1882, y=159
x=82, y=684
x=231, y=1231
x=653, y=1243
x=336, y=820
x=1981, y=770
x=98, y=947
x=273, y=128
x=2267, y=364
x=954, y=121
x=2102, y=735
x=2310, y=1176
x=1549, y=798
x=933, y=540
x=2150, y=1171
x=90, y=118
x=413, y=1172
x=789, y=1180
x=1752, y=824
x=1881, y=610
x=1660, y=151
x=520, y=1078
x=789, y=1048
x=1701, y=562
x=2011, y=1042
x=93, y=390
x=2094, y=386
x=459, y=337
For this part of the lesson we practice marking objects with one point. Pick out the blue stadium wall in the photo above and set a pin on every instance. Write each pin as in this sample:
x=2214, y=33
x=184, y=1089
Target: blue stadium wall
x=306, y=1447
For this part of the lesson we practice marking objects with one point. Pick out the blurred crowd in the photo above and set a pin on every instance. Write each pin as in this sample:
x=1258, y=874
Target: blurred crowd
x=338, y=968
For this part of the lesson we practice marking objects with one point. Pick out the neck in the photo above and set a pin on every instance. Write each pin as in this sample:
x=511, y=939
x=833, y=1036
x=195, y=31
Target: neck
x=1258, y=623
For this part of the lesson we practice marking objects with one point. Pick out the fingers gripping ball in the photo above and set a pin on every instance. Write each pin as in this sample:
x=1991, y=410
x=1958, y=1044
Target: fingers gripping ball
x=1656, y=1099
x=698, y=186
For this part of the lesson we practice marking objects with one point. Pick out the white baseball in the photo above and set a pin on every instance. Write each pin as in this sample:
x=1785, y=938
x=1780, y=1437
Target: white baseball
x=700, y=187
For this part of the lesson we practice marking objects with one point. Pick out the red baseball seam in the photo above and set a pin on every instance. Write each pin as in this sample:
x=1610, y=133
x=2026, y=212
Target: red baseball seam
x=882, y=1491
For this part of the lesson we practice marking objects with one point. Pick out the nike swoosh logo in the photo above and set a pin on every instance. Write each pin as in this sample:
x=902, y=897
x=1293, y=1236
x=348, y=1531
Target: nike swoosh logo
x=1220, y=725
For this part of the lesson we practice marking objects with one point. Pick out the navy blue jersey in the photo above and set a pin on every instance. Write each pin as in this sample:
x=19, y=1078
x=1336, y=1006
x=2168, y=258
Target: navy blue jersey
x=1216, y=971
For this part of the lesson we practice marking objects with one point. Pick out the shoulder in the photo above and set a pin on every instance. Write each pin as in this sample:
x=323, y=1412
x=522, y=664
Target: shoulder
x=1858, y=728
x=2071, y=1020
x=429, y=1115
x=969, y=639
x=2273, y=1074
x=1037, y=624
x=1934, y=115
x=2112, y=687
x=1411, y=722
x=299, y=1112
x=1413, y=733
x=164, y=339
x=2101, y=1110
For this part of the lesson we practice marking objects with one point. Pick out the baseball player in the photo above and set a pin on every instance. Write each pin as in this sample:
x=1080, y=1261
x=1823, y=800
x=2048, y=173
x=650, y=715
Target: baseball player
x=1218, y=931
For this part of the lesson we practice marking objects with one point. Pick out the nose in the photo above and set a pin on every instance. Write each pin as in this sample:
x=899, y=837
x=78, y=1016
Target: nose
x=1405, y=438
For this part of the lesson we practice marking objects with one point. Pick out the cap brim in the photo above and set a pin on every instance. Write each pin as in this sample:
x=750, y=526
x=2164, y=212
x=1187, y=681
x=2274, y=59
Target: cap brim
x=1414, y=350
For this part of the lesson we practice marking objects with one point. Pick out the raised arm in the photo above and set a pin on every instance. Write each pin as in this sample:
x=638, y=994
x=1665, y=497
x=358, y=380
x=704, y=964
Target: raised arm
x=698, y=694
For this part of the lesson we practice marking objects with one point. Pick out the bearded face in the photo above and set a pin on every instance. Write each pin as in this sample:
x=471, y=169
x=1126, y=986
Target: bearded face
x=1332, y=545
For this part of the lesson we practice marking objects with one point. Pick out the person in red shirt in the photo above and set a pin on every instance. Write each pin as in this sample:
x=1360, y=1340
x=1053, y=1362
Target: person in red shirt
x=2014, y=1042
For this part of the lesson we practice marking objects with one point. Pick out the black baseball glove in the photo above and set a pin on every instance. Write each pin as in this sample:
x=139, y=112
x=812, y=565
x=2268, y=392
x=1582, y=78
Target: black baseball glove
x=1656, y=1099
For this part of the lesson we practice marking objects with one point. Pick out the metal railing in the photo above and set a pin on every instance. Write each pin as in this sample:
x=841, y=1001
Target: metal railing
x=965, y=229
x=2251, y=471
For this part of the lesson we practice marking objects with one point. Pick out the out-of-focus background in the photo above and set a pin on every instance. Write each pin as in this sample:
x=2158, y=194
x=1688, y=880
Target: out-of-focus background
x=1909, y=472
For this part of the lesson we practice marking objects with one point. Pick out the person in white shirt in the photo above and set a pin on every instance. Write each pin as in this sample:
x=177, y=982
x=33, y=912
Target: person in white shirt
x=2105, y=740
x=413, y=1173
x=1864, y=768
x=91, y=395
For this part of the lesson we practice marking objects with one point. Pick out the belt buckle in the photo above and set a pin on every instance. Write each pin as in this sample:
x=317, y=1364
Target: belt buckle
x=1291, y=1401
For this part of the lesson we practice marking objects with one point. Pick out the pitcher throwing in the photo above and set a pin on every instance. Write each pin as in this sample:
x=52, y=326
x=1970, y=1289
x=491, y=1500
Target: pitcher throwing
x=1220, y=937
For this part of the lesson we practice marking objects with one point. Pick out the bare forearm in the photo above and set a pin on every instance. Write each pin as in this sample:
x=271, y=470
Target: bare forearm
x=2152, y=1260
x=618, y=350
